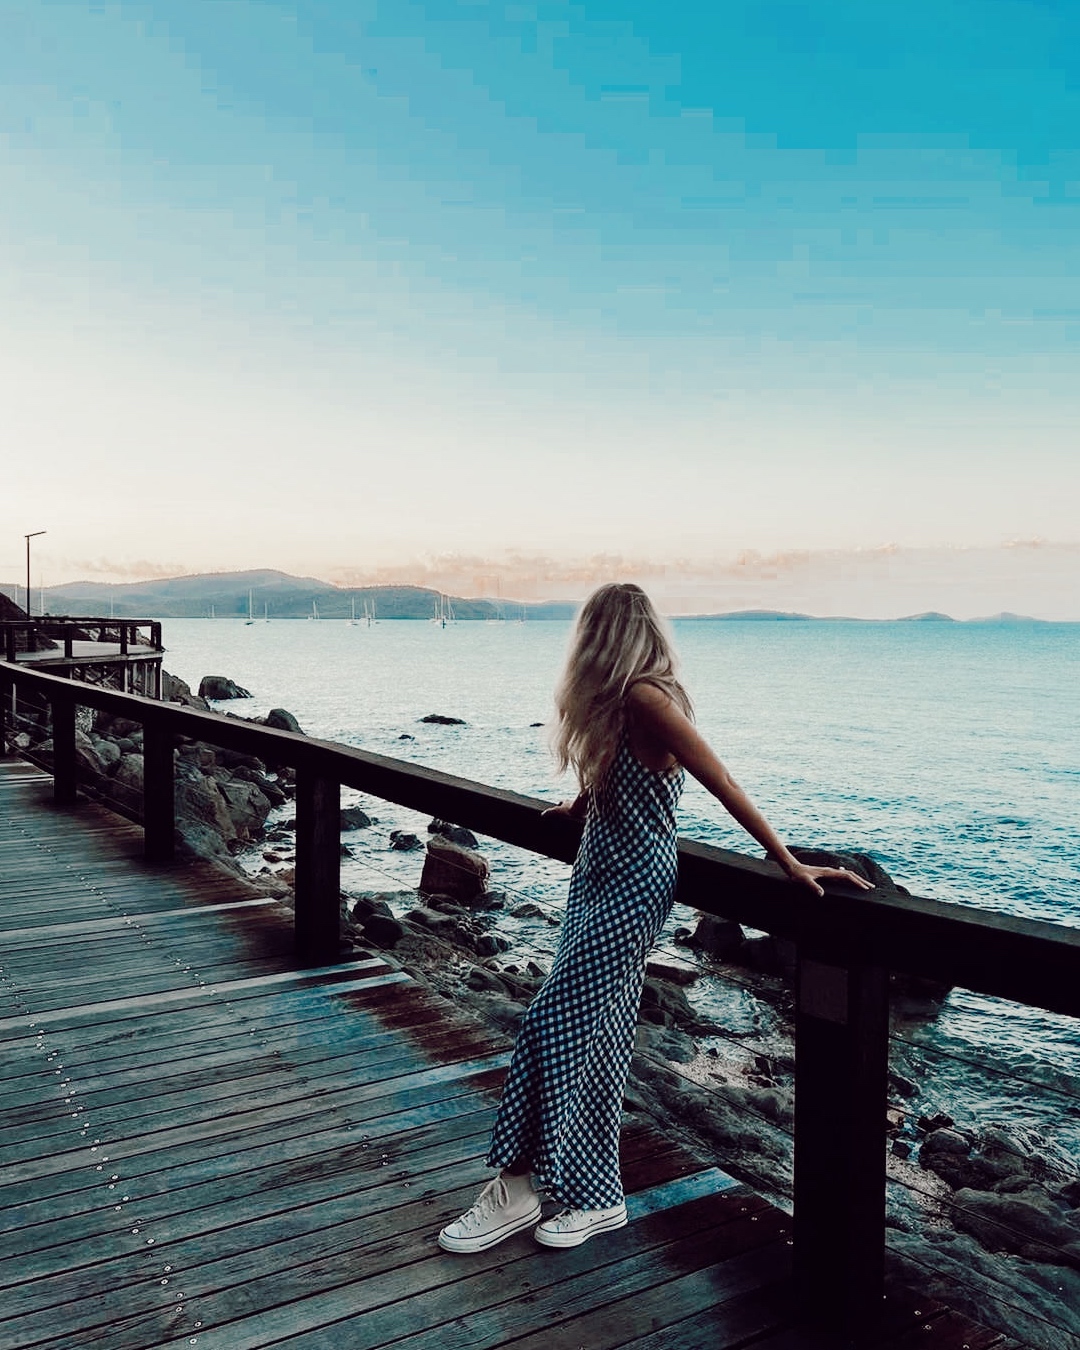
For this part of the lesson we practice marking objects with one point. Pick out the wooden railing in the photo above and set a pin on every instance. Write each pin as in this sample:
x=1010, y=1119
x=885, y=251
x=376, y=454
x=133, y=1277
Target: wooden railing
x=847, y=943
x=66, y=630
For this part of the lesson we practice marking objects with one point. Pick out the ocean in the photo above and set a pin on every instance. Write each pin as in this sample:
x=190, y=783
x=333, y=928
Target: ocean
x=949, y=752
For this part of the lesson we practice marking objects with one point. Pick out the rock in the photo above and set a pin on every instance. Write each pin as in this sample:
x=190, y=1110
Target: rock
x=722, y=938
x=406, y=737
x=528, y=910
x=266, y=785
x=666, y=1042
x=366, y=906
x=108, y=753
x=1026, y=1225
x=404, y=842
x=452, y=870
x=352, y=818
x=659, y=969
x=237, y=759
x=383, y=930
x=247, y=805
x=89, y=765
x=282, y=720
x=129, y=772
x=200, y=806
x=666, y=1005
x=175, y=690
x=479, y=978
x=201, y=755
x=119, y=727
x=440, y=719
x=457, y=834
x=220, y=687
x=490, y=944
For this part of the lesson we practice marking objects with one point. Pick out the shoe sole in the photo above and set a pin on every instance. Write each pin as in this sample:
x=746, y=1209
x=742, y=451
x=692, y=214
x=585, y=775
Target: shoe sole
x=575, y=1239
x=480, y=1243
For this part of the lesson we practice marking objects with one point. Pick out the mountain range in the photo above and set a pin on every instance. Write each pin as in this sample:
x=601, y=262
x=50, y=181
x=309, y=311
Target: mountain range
x=271, y=594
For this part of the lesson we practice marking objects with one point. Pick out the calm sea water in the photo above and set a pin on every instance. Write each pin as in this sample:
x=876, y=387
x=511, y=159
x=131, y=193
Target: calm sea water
x=949, y=752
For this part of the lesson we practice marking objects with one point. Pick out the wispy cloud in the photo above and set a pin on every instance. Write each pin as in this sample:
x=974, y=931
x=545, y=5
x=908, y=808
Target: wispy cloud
x=113, y=569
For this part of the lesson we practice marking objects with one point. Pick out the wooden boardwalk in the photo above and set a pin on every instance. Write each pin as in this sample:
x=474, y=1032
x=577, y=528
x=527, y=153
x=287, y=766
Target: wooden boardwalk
x=201, y=1145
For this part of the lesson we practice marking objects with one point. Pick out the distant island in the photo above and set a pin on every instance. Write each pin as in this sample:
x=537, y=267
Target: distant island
x=265, y=594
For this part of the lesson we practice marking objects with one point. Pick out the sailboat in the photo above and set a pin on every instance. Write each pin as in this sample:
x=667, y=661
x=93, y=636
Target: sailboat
x=314, y=610
x=352, y=606
x=251, y=613
x=444, y=611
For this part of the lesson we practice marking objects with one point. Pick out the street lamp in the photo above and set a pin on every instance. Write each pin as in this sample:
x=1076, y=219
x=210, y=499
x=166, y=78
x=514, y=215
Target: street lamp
x=28, y=537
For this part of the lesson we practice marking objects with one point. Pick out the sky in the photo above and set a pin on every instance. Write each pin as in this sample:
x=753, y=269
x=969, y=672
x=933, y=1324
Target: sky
x=759, y=298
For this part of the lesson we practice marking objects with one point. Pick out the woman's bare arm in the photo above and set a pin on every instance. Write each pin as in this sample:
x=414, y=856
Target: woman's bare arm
x=667, y=728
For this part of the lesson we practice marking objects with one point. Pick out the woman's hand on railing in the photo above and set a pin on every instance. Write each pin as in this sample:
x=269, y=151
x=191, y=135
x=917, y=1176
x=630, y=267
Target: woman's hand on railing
x=574, y=810
x=805, y=875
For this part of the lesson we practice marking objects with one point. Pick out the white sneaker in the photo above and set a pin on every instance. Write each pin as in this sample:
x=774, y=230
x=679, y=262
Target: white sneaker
x=574, y=1226
x=500, y=1210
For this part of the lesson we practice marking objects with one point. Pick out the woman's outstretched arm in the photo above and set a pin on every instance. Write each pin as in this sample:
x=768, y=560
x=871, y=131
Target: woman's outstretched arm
x=664, y=727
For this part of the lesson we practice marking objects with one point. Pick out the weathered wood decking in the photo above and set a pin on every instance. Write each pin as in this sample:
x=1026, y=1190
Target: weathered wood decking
x=202, y=1145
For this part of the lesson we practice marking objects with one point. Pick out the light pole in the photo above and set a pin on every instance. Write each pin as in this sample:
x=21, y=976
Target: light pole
x=28, y=537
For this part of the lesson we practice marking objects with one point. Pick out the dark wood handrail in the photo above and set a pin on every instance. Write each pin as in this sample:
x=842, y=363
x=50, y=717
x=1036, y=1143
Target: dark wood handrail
x=1031, y=961
x=846, y=944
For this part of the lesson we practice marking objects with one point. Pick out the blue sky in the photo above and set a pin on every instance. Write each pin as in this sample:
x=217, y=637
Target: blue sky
x=341, y=287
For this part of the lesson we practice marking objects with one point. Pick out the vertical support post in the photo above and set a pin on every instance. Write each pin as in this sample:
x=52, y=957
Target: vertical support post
x=7, y=706
x=159, y=818
x=9, y=642
x=123, y=639
x=841, y=1085
x=67, y=644
x=65, y=780
x=318, y=868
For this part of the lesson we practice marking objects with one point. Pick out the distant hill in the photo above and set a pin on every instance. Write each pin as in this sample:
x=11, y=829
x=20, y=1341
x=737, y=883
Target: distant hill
x=755, y=616
x=274, y=595
x=931, y=616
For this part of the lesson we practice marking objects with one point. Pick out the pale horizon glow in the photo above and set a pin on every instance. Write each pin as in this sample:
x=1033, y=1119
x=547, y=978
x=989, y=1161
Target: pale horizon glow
x=464, y=292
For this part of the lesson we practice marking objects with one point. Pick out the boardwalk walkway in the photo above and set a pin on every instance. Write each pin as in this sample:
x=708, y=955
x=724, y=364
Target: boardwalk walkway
x=201, y=1145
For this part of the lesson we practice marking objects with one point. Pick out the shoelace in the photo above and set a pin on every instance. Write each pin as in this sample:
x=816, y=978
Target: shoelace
x=568, y=1218
x=494, y=1196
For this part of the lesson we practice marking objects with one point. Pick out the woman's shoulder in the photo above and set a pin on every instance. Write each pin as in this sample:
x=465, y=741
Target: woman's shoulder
x=647, y=694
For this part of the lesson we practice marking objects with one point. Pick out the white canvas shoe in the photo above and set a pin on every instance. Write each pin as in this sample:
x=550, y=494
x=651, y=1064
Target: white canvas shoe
x=574, y=1226
x=500, y=1210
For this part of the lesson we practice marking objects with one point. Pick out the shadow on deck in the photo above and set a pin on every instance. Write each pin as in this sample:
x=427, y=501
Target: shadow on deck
x=202, y=1145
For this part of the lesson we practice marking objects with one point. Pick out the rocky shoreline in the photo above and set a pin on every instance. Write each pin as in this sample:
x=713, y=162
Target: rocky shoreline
x=980, y=1218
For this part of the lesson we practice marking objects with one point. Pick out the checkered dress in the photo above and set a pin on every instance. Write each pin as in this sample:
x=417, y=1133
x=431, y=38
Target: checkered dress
x=562, y=1104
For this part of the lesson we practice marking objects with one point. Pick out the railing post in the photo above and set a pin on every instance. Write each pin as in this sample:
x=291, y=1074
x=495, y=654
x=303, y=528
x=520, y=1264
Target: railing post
x=841, y=1085
x=318, y=868
x=7, y=708
x=65, y=780
x=159, y=818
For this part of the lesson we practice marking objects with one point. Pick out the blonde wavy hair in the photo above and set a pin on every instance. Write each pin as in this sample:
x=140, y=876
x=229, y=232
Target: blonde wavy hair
x=618, y=641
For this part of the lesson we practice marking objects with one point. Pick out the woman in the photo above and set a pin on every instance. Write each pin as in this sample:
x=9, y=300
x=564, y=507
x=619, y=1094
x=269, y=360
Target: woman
x=624, y=725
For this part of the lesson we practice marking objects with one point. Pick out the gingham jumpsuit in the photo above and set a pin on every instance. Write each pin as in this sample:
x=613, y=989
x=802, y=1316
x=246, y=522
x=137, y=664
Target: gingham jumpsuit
x=561, y=1107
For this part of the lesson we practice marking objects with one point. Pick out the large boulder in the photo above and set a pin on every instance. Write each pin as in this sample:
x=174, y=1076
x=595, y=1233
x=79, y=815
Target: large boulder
x=247, y=804
x=283, y=720
x=457, y=834
x=201, y=808
x=449, y=869
x=220, y=687
x=176, y=690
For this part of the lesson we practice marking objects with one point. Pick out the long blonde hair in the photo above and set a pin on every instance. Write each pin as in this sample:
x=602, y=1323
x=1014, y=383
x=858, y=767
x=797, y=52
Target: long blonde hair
x=619, y=640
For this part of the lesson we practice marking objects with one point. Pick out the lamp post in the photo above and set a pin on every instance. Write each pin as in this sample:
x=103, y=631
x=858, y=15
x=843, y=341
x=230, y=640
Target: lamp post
x=28, y=537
